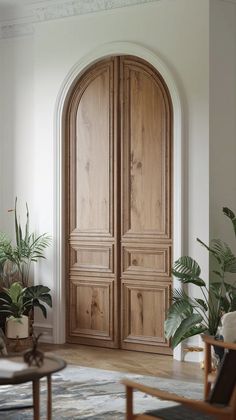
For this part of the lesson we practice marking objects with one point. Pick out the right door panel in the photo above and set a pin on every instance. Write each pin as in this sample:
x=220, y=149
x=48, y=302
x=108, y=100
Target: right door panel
x=146, y=231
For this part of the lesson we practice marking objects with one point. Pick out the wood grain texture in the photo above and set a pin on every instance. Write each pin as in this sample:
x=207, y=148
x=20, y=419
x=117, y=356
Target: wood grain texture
x=146, y=161
x=118, y=211
x=91, y=221
x=144, y=308
x=146, y=230
x=91, y=258
x=91, y=303
x=92, y=157
x=145, y=260
x=127, y=361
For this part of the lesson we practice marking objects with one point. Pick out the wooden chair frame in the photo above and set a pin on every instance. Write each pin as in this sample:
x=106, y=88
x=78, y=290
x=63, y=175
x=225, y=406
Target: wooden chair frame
x=220, y=413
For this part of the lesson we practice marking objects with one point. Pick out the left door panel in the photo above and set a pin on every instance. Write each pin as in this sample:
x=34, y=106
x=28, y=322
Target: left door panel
x=91, y=194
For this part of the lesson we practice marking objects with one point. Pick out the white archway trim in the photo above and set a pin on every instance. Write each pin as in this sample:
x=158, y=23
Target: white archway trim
x=115, y=48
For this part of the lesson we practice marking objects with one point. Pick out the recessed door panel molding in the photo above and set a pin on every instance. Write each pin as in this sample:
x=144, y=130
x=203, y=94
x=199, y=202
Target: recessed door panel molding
x=146, y=161
x=96, y=257
x=93, y=158
x=92, y=130
x=91, y=308
x=119, y=206
x=144, y=309
x=146, y=261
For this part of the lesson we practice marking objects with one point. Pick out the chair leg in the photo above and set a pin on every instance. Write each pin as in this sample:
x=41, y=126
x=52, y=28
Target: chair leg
x=207, y=368
x=49, y=404
x=36, y=399
x=129, y=403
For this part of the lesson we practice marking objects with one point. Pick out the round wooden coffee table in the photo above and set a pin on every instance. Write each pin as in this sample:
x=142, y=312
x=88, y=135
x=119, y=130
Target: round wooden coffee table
x=51, y=365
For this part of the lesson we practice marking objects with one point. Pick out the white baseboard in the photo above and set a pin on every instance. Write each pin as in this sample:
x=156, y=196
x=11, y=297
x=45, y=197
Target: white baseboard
x=45, y=330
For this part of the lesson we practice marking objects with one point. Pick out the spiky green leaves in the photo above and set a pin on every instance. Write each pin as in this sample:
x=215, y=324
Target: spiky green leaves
x=223, y=254
x=28, y=248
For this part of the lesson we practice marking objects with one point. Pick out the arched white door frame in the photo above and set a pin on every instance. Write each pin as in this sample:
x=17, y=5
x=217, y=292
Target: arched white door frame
x=117, y=48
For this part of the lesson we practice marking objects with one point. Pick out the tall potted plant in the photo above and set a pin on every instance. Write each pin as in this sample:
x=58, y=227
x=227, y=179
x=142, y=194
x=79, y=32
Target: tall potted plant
x=16, y=258
x=19, y=256
x=188, y=316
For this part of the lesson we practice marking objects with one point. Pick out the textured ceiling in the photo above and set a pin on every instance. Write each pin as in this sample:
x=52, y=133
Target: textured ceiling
x=18, y=17
x=38, y=10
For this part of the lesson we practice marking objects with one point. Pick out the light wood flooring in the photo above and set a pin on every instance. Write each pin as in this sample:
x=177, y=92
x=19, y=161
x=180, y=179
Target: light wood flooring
x=126, y=361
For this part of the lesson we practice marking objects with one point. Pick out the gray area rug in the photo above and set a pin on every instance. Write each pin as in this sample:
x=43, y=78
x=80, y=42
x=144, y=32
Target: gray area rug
x=87, y=393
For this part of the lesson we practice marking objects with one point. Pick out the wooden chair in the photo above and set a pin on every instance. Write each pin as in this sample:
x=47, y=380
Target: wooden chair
x=219, y=392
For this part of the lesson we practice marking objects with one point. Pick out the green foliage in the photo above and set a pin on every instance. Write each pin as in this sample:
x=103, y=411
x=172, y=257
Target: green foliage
x=190, y=316
x=230, y=214
x=38, y=296
x=17, y=301
x=28, y=248
x=17, y=297
x=12, y=301
x=188, y=271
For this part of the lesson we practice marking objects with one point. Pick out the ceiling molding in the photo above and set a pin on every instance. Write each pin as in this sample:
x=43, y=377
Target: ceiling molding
x=16, y=30
x=42, y=11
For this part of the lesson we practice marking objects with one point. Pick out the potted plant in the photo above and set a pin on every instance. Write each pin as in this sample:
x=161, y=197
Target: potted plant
x=13, y=306
x=16, y=259
x=16, y=303
x=188, y=316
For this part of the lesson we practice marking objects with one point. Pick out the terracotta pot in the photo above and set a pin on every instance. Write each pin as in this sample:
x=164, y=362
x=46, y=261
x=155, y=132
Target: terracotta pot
x=17, y=327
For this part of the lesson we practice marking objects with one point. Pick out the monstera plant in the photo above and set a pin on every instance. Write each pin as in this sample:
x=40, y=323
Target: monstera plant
x=188, y=316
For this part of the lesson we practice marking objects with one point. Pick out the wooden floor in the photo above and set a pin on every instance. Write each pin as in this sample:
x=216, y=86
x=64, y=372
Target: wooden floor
x=127, y=361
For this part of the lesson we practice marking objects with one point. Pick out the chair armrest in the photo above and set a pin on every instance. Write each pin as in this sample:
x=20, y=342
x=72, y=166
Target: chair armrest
x=195, y=404
x=210, y=340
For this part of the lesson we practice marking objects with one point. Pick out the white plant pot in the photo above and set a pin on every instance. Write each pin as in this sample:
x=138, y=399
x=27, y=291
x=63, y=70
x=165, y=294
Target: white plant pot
x=18, y=327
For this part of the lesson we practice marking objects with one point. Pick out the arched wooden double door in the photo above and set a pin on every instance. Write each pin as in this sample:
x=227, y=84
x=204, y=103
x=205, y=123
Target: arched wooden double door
x=118, y=206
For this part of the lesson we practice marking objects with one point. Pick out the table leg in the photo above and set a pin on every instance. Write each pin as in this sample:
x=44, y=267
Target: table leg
x=49, y=406
x=36, y=399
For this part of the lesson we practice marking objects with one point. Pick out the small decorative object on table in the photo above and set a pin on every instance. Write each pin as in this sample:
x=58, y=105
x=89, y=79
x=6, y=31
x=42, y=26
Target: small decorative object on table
x=34, y=357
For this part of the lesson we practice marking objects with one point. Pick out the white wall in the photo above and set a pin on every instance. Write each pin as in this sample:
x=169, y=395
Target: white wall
x=222, y=117
x=177, y=31
x=17, y=122
x=1, y=131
